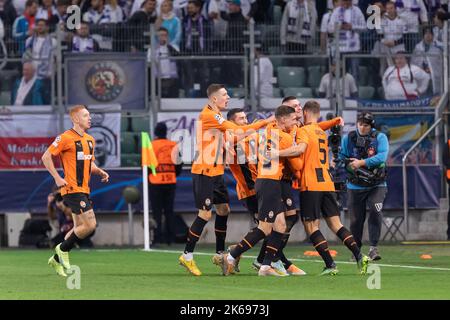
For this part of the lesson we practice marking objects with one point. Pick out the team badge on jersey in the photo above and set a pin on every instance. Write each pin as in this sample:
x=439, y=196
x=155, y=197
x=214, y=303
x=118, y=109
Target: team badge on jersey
x=57, y=141
x=289, y=202
x=271, y=214
x=82, y=204
x=219, y=118
x=208, y=201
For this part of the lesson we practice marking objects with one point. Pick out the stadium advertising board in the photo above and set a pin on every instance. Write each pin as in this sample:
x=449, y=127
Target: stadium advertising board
x=25, y=137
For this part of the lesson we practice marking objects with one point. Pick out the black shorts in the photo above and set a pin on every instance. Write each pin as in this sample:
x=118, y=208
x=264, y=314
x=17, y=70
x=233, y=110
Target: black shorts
x=270, y=202
x=287, y=194
x=78, y=202
x=209, y=191
x=315, y=203
x=251, y=203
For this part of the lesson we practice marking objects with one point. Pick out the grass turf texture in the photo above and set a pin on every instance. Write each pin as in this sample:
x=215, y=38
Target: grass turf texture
x=135, y=274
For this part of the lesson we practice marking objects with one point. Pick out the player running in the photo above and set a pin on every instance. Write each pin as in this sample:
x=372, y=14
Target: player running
x=317, y=192
x=208, y=169
x=76, y=149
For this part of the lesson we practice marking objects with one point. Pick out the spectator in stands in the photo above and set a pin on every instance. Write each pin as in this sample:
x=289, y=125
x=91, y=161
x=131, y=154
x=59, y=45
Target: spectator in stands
x=351, y=22
x=165, y=69
x=392, y=33
x=234, y=41
x=83, y=41
x=325, y=37
x=99, y=13
x=428, y=56
x=39, y=48
x=27, y=91
x=263, y=75
x=83, y=4
x=58, y=210
x=327, y=87
x=438, y=31
x=20, y=6
x=413, y=12
x=169, y=21
x=24, y=25
x=433, y=6
x=140, y=22
x=237, y=24
x=46, y=10
x=117, y=14
x=248, y=8
x=61, y=13
x=403, y=80
x=213, y=8
x=298, y=26
x=391, y=37
x=8, y=14
x=196, y=41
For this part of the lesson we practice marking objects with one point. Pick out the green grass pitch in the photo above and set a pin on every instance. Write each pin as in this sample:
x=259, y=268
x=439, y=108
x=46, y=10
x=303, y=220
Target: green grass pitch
x=135, y=274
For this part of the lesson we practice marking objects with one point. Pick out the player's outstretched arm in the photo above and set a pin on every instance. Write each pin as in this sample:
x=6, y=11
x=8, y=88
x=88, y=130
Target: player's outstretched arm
x=102, y=173
x=328, y=124
x=293, y=151
x=48, y=163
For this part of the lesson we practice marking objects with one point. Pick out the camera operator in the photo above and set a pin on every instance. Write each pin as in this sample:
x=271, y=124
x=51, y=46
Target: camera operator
x=57, y=210
x=365, y=152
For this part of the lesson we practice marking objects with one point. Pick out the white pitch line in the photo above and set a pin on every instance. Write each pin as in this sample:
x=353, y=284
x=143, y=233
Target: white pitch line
x=318, y=261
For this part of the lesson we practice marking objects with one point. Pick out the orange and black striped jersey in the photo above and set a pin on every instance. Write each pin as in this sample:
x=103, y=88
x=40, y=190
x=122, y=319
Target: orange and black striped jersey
x=165, y=171
x=324, y=125
x=273, y=138
x=210, y=130
x=76, y=153
x=244, y=168
x=315, y=175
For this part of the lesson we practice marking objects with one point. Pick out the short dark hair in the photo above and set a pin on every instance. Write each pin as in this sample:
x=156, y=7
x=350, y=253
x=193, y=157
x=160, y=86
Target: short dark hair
x=29, y=3
x=288, y=98
x=283, y=111
x=213, y=88
x=40, y=20
x=312, y=106
x=366, y=118
x=232, y=113
x=196, y=3
x=163, y=29
x=161, y=130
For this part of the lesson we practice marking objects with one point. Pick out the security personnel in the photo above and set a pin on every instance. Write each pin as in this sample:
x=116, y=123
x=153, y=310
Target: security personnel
x=365, y=152
x=446, y=154
x=162, y=186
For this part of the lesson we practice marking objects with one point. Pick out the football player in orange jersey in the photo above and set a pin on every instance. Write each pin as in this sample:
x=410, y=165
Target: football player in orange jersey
x=75, y=147
x=317, y=192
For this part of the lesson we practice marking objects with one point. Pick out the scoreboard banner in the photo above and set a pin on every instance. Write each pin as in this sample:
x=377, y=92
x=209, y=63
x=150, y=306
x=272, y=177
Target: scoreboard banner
x=25, y=137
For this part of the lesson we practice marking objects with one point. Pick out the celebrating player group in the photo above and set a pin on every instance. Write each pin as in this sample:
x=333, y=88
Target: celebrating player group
x=271, y=160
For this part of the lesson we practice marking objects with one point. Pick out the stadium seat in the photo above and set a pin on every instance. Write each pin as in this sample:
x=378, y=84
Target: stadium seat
x=236, y=93
x=5, y=98
x=380, y=92
x=289, y=77
x=276, y=92
x=276, y=62
x=315, y=74
x=363, y=76
x=130, y=160
x=366, y=92
x=300, y=92
x=128, y=142
x=140, y=124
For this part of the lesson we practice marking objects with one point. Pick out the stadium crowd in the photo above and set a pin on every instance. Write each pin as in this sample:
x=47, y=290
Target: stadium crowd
x=216, y=27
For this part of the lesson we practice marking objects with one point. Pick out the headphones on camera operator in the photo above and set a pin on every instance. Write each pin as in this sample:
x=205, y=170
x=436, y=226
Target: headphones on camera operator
x=361, y=147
